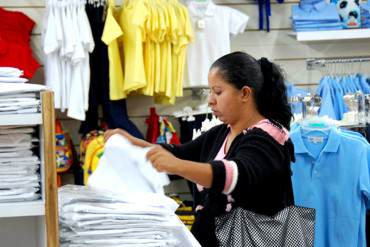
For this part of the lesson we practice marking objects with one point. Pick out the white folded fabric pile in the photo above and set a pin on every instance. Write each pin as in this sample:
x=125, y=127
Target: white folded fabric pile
x=11, y=75
x=18, y=103
x=89, y=217
x=19, y=166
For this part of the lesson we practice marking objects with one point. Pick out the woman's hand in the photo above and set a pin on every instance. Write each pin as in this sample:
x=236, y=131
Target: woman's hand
x=163, y=161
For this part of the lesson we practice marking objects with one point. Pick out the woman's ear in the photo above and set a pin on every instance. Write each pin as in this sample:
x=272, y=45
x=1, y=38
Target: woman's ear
x=246, y=93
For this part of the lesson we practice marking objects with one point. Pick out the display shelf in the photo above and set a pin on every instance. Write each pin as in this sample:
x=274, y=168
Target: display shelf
x=20, y=209
x=21, y=119
x=333, y=35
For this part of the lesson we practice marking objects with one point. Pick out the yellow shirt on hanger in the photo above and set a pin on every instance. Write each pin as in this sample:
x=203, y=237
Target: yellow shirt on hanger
x=133, y=18
x=149, y=50
x=187, y=36
x=112, y=31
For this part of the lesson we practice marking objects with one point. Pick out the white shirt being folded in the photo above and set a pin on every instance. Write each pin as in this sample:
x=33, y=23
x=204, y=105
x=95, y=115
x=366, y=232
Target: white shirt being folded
x=124, y=168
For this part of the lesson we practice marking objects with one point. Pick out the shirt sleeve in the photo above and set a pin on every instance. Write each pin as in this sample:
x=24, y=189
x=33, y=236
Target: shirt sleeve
x=112, y=29
x=237, y=21
x=255, y=161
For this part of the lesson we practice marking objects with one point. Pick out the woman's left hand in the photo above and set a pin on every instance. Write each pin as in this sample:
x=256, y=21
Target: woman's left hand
x=162, y=160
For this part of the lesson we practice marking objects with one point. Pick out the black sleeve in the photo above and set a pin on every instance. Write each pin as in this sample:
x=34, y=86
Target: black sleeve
x=258, y=157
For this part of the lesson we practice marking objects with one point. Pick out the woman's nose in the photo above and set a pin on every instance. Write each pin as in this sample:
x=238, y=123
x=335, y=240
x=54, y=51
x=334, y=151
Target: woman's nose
x=211, y=100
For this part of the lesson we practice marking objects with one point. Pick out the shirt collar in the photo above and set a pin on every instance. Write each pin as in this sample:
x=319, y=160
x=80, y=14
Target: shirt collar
x=308, y=7
x=210, y=11
x=331, y=146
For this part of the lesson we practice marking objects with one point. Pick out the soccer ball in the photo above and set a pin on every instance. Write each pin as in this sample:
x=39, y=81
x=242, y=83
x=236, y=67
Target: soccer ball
x=349, y=12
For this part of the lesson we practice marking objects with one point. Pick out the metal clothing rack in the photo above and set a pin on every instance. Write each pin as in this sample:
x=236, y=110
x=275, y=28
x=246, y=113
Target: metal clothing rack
x=317, y=63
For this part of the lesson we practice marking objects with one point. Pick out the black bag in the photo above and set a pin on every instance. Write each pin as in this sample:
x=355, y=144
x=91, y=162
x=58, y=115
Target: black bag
x=291, y=227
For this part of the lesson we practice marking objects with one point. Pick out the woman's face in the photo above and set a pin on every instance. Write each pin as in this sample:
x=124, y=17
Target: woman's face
x=225, y=100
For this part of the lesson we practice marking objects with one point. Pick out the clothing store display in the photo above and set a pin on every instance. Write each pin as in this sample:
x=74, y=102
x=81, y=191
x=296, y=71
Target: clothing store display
x=15, y=51
x=19, y=166
x=247, y=153
x=315, y=15
x=212, y=24
x=336, y=185
x=114, y=111
x=332, y=89
x=66, y=43
x=101, y=218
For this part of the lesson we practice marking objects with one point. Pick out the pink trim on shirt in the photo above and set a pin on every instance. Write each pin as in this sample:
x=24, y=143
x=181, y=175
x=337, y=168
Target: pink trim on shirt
x=280, y=135
x=229, y=175
x=220, y=155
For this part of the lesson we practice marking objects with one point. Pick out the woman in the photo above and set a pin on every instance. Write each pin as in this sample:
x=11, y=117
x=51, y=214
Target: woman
x=246, y=161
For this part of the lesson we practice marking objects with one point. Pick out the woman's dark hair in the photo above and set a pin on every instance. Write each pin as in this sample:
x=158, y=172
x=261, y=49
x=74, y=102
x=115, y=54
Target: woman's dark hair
x=265, y=78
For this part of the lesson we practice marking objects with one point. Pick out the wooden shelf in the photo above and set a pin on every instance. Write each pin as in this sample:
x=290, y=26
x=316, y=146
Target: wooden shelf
x=20, y=209
x=21, y=119
x=333, y=35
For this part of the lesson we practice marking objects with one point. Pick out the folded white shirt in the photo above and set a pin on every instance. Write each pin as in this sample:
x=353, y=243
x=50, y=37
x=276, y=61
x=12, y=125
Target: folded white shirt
x=10, y=72
x=13, y=79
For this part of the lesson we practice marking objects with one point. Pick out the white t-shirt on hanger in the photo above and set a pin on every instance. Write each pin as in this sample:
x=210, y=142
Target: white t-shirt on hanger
x=212, y=25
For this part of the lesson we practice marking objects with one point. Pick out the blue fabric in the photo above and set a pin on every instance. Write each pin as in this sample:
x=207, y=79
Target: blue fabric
x=317, y=12
x=334, y=183
x=294, y=91
x=326, y=93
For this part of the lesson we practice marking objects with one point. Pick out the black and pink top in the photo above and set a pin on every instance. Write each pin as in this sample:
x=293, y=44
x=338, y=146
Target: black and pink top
x=254, y=174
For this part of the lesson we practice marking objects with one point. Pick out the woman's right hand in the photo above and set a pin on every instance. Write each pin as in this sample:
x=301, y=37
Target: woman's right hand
x=129, y=137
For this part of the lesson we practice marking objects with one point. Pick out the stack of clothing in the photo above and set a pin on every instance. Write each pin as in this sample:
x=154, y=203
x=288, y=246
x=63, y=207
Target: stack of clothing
x=10, y=74
x=99, y=218
x=365, y=15
x=19, y=166
x=315, y=15
x=17, y=103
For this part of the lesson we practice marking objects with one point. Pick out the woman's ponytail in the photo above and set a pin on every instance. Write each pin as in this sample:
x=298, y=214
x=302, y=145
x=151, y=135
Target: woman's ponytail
x=272, y=100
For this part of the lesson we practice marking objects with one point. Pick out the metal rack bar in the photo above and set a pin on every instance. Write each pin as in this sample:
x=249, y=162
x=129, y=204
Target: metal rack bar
x=316, y=63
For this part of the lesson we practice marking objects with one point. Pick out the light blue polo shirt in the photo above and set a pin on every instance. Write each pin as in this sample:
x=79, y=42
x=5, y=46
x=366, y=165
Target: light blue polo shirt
x=332, y=176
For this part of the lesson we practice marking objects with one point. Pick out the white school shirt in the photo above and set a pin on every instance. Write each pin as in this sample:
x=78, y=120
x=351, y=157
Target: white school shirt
x=212, y=39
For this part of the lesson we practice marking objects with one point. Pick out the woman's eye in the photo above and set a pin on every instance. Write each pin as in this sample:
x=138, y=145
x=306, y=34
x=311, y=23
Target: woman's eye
x=218, y=93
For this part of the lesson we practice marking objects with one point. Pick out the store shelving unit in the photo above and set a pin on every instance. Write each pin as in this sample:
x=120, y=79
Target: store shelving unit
x=333, y=35
x=35, y=223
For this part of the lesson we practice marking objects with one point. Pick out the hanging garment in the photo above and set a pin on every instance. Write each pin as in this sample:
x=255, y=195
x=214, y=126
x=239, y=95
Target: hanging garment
x=111, y=34
x=213, y=26
x=152, y=123
x=114, y=112
x=324, y=174
x=67, y=42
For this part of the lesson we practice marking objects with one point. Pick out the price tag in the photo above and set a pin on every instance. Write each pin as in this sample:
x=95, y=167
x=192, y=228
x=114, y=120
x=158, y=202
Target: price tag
x=201, y=24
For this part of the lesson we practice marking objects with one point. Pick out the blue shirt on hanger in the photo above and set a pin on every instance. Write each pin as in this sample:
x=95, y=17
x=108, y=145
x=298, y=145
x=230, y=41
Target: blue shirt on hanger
x=326, y=93
x=331, y=175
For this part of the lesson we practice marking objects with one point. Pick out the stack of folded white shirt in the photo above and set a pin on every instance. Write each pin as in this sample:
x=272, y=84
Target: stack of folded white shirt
x=18, y=102
x=19, y=167
x=89, y=217
x=11, y=75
